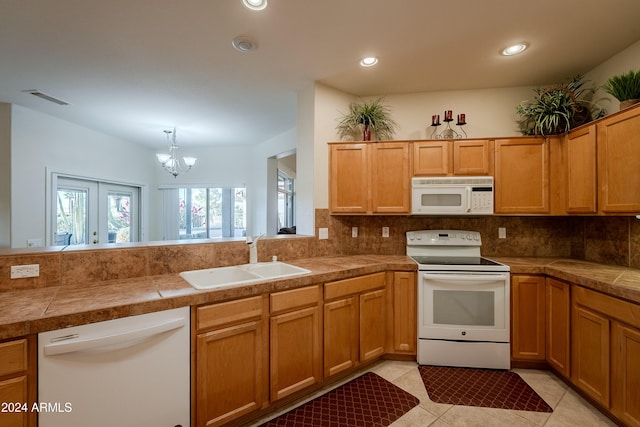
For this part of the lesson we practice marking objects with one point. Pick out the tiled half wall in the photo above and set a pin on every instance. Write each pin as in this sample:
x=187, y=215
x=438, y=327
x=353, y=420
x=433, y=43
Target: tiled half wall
x=607, y=240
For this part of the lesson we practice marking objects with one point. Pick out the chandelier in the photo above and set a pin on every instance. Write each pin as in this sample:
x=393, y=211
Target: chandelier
x=170, y=162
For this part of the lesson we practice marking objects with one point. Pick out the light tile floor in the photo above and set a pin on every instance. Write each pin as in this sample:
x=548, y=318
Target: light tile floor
x=569, y=409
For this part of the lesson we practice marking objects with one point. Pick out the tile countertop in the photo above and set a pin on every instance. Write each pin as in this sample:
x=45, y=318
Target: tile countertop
x=30, y=311
x=24, y=312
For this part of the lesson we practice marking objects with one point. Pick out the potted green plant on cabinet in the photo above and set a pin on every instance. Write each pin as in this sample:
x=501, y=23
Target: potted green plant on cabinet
x=366, y=118
x=558, y=109
x=625, y=88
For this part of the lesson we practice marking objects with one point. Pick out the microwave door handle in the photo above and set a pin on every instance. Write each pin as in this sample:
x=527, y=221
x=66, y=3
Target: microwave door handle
x=468, y=191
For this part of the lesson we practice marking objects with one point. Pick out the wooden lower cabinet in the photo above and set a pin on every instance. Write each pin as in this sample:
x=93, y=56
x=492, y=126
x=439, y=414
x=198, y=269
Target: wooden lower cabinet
x=17, y=381
x=296, y=347
x=590, y=353
x=373, y=324
x=528, y=317
x=355, y=322
x=404, y=322
x=340, y=335
x=625, y=373
x=558, y=321
x=231, y=360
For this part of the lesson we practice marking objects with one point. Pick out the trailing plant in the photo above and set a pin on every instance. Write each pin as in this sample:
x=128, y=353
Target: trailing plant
x=624, y=86
x=558, y=109
x=373, y=115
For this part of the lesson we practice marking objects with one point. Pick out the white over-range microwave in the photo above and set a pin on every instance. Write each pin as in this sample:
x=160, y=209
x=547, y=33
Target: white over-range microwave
x=454, y=195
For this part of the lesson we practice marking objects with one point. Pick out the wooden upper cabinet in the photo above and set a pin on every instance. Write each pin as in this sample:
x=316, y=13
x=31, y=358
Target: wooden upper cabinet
x=431, y=158
x=580, y=146
x=390, y=177
x=474, y=157
x=348, y=178
x=619, y=163
x=457, y=157
x=522, y=176
x=369, y=178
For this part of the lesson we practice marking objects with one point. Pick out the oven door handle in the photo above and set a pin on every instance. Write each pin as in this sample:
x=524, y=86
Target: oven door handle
x=467, y=277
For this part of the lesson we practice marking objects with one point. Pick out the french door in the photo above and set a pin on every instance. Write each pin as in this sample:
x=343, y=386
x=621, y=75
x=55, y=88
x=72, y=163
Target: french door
x=89, y=212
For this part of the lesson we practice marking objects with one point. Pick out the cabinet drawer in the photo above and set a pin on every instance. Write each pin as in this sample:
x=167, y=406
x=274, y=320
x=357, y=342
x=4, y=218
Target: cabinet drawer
x=13, y=357
x=615, y=308
x=225, y=313
x=295, y=298
x=355, y=285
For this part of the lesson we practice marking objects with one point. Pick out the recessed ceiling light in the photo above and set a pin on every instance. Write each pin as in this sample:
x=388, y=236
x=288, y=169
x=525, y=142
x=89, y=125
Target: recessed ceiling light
x=369, y=61
x=514, y=50
x=243, y=44
x=255, y=4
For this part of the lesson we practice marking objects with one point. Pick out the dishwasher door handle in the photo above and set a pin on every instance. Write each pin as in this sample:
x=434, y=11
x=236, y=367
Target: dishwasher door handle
x=120, y=339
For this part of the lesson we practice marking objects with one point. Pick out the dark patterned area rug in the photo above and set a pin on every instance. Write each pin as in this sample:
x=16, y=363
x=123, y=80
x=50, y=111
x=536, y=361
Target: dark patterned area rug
x=368, y=400
x=481, y=387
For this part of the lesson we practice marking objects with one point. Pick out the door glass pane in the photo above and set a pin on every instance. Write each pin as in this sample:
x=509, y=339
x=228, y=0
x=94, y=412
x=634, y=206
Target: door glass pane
x=71, y=217
x=471, y=308
x=118, y=217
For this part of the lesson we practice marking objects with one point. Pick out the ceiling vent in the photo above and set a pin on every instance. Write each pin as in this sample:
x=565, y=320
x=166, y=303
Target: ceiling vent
x=46, y=97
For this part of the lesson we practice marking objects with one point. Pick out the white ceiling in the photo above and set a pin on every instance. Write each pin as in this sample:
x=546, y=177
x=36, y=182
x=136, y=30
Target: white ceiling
x=131, y=68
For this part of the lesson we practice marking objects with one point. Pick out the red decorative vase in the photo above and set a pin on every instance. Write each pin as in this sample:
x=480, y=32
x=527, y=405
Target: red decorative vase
x=366, y=134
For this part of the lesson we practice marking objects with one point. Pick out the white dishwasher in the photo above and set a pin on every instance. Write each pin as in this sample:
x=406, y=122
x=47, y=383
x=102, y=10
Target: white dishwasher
x=131, y=372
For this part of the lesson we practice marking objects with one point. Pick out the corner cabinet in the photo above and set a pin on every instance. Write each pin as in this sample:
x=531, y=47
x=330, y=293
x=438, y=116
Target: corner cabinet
x=231, y=360
x=581, y=188
x=369, y=178
x=619, y=163
x=606, y=350
x=558, y=325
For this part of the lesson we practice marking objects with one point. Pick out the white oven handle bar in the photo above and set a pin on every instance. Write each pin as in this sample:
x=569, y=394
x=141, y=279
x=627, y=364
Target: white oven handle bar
x=466, y=277
x=74, y=343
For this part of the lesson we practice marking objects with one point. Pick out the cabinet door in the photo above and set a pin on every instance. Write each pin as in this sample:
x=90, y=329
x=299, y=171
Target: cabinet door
x=230, y=378
x=590, y=353
x=558, y=317
x=625, y=373
x=522, y=176
x=581, y=170
x=373, y=324
x=18, y=360
x=619, y=162
x=390, y=177
x=528, y=317
x=14, y=390
x=404, y=312
x=340, y=335
x=296, y=352
x=348, y=178
x=472, y=158
x=431, y=158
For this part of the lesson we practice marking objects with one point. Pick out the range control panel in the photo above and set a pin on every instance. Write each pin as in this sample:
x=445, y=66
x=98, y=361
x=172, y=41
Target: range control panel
x=443, y=238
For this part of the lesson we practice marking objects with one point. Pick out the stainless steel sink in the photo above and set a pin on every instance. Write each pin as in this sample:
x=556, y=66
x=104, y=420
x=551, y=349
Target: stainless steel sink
x=236, y=275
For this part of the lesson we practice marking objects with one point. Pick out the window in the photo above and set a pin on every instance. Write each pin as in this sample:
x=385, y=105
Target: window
x=211, y=212
x=286, y=193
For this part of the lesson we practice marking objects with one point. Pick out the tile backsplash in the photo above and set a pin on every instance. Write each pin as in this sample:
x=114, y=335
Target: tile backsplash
x=607, y=240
